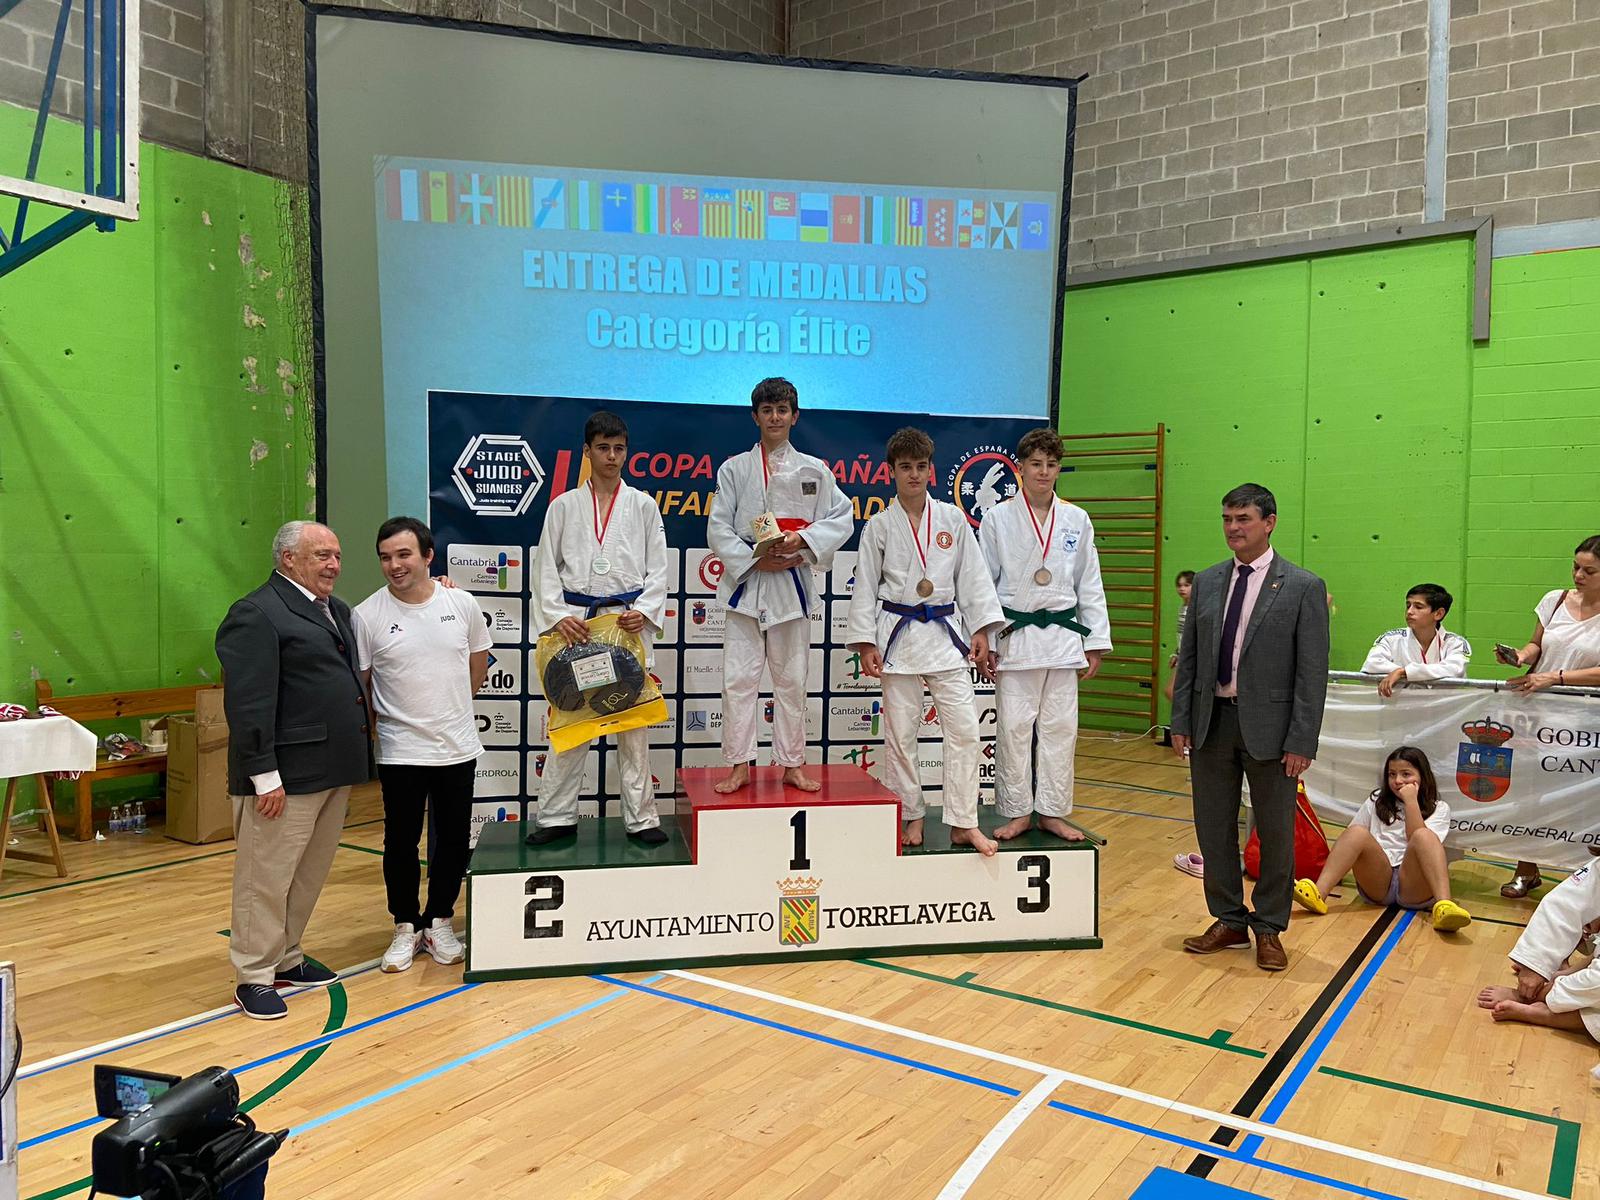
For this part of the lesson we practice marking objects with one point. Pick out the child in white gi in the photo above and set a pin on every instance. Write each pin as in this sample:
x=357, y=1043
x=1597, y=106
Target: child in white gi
x=769, y=596
x=1548, y=991
x=1395, y=847
x=1041, y=555
x=921, y=584
x=1424, y=649
x=603, y=547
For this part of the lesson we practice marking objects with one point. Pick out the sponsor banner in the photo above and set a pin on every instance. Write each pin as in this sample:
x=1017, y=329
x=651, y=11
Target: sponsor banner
x=496, y=462
x=866, y=754
x=838, y=621
x=499, y=722
x=852, y=718
x=505, y=673
x=485, y=568
x=499, y=773
x=1521, y=774
x=487, y=814
x=504, y=618
x=537, y=760
x=744, y=896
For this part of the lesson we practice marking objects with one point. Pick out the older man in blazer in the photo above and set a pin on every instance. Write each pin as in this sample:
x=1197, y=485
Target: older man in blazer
x=1247, y=703
x=298, y=738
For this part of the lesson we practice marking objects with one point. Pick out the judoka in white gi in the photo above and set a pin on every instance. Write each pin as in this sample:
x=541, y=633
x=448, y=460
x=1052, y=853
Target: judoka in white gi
x=1041, y=555
x=1424, y=650
x=769, y=597
x=603, y=549
x=922, y=590
x=1549, y=991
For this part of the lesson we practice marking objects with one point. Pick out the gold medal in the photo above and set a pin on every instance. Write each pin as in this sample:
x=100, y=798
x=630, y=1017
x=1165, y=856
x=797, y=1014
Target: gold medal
x=1042, y=576
x=925, y=588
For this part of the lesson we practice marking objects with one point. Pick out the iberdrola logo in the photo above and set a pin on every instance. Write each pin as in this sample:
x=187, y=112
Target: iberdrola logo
x=1483, y=761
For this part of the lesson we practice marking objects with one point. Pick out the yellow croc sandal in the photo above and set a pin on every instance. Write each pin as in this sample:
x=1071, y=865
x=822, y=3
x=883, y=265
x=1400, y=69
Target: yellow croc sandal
x=1448, y=916
x=1307, y=896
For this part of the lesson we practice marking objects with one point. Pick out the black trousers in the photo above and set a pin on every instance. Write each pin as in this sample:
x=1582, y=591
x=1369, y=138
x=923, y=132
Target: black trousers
x=407, y=792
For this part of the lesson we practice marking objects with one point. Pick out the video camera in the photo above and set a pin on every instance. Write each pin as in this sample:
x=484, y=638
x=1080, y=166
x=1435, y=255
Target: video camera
x=178, y=1139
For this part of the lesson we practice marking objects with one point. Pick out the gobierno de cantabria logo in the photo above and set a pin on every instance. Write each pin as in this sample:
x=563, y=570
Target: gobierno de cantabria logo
x=498, y=474
x=1483, y=761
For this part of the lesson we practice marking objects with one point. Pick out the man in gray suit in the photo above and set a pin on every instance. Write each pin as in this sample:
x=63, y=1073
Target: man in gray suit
x=297, y=740
x=1247, y=701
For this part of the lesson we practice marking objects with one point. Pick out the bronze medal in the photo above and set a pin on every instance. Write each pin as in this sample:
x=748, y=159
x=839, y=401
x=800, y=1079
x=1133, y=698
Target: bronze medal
x=925, y=588
x=1042, y=576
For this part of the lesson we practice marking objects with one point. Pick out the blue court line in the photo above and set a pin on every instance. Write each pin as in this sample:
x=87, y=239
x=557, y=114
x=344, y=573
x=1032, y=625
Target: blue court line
x=1230, y=1155
x=990, y=1085
x=443, y=1068
x=156, y=1037
x=1330, y=1030
x=323, y=1040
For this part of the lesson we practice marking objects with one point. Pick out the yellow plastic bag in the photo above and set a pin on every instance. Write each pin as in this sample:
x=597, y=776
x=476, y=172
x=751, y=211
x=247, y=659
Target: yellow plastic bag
x=597, y=687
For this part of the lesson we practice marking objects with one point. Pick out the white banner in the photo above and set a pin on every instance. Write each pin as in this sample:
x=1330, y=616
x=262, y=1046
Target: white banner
x=1521, y=774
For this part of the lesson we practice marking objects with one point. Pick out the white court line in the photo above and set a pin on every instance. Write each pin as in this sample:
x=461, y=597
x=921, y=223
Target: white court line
x=1226, y=1120
x=967, y=1174
x=156, y=1031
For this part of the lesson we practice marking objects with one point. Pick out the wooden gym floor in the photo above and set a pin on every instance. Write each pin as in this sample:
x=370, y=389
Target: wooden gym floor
x=1363, y=1070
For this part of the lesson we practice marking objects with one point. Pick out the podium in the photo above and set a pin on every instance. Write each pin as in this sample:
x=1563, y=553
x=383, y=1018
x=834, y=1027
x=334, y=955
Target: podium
x=768, y=874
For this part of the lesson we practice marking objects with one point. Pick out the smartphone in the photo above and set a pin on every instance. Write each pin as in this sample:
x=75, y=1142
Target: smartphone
x=1503, y=651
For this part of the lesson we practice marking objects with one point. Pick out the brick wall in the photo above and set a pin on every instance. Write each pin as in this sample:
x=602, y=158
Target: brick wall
x=1223, y=124
x=174, y=73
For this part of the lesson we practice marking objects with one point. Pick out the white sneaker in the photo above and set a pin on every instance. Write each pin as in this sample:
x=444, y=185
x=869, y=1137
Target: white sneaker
x=440, y=940
x=402, y=950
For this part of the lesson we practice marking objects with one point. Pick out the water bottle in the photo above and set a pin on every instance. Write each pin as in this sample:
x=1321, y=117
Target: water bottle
x=118, y=821
x=139, y=825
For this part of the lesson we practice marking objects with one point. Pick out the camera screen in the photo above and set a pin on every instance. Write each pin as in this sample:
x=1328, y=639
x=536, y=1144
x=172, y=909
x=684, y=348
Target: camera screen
x=121, y=1092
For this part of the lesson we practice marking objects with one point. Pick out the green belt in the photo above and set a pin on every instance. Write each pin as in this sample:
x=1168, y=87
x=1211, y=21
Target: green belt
x=1067, y=618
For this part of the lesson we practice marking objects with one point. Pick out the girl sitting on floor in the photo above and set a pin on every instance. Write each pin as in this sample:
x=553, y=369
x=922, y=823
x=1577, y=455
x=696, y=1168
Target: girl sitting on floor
x=1395, y=846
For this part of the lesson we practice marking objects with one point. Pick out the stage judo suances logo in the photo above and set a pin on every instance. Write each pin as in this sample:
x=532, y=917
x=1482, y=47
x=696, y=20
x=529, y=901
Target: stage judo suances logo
x=498, y=475
x=799, y=910
x=1483, y=761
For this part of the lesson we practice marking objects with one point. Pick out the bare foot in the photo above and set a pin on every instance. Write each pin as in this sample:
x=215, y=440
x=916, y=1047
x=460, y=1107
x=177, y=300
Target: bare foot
x=911, y=833
x=737, y=778
x=1015, y=827
x=1060, y=828
x=974, y=838
x=797, y=778
x=1490, y=996
x=1515, y=1010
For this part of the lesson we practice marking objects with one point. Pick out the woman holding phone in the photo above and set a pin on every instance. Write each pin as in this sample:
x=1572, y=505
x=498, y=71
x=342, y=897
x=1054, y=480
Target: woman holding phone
x=1563, y=652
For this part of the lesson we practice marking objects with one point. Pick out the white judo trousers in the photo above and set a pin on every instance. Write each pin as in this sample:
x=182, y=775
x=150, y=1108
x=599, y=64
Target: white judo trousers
x=1025, y=699
x=746, y=648
x=951, y=694
x=563, y=779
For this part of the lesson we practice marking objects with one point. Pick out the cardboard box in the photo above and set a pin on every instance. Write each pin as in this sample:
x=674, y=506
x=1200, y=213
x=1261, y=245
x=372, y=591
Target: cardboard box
x=199, y=809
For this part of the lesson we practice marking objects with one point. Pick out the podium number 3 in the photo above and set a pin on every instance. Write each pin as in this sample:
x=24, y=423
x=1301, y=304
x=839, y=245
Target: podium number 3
x=1039, y=864
x=547, y=892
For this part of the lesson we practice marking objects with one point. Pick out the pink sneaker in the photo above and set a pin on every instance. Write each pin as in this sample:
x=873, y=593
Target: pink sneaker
x=1190, y=864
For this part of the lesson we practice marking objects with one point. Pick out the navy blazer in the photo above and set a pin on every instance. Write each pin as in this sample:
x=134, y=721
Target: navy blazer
x=292, y=693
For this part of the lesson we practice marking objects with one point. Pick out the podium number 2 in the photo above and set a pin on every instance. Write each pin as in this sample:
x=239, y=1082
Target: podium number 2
x=798, y=823
x=548, y=892
x=1039, y=864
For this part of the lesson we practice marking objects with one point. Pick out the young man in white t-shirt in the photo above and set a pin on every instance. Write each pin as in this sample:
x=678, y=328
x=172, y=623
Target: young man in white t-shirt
x=423, y=652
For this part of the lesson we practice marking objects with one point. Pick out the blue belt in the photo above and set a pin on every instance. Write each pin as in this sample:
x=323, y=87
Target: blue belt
x=799, y=590
x=923, y=614
x=593, y=604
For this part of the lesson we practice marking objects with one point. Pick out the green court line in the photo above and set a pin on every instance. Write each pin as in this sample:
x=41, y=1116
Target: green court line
x=1564, y=1157
x=363, y=849
x=176, y=862
x=1217, y=1041
x=338, y=1009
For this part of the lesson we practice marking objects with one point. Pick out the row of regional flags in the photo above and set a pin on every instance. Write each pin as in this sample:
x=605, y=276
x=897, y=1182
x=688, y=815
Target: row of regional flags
x=745, y=214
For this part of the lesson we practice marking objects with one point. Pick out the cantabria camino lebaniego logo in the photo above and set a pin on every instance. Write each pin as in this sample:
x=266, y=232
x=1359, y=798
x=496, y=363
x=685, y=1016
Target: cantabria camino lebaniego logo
x=799, y=910
x=1483, y=761
x=982, y=478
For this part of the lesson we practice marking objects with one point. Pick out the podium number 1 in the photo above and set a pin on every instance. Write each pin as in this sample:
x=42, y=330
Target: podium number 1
x=1039, y=864
x=798, y=823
